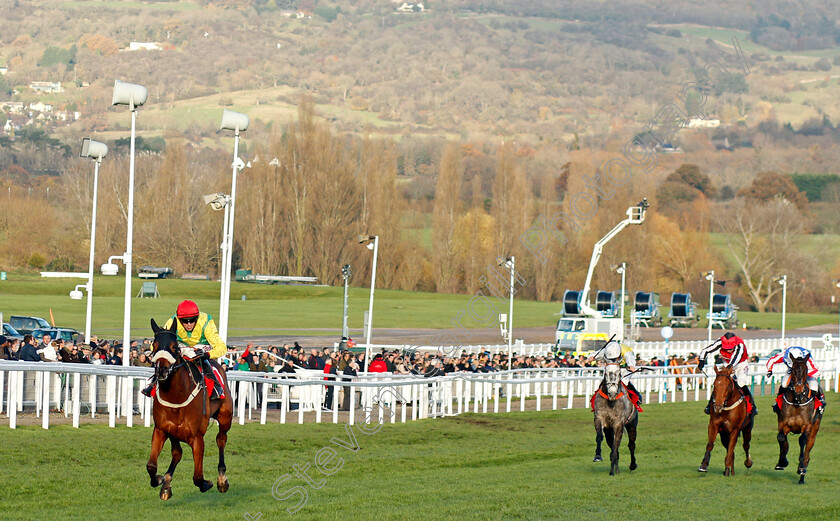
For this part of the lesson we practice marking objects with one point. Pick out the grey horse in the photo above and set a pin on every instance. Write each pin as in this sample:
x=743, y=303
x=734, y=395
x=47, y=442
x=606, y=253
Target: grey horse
x=613, y=413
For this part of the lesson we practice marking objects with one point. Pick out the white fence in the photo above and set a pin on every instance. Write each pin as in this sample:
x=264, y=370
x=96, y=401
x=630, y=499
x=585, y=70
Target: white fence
x=69, y=388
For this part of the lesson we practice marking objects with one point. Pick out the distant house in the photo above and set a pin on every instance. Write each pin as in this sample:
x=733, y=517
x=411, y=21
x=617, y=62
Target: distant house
x=40, y=107
x=703, y=123
x=46, y=86
x=144, y=46
x=12, y=106
x=411, y=8
x=300, y=15
x=4, y=70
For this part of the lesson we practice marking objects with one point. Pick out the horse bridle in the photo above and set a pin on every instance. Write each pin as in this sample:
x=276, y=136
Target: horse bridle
x=799, y=396
x=164, y=373
x=729, y=385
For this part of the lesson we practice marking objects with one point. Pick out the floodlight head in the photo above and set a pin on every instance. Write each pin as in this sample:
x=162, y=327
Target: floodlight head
x=836, y=282
x=216, y=201
x=365, y=238
x=93, y=149
x=129, y=94
x=370, y=246
x=709, y=275
x=109, y=269
x=76, y=295
x=239, y=164
x=235, y=121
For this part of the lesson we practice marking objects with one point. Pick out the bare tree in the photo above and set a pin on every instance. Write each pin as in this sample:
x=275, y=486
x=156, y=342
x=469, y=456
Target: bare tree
x=761, y=236
x=445, y=216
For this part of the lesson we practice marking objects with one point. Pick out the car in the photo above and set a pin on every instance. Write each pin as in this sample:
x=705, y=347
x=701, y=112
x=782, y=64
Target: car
x=65, y=333
x=11, y=333
x=26, y=325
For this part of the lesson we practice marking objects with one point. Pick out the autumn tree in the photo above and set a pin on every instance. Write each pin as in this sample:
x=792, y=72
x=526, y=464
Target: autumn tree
x=447, y=209
x=769, y=185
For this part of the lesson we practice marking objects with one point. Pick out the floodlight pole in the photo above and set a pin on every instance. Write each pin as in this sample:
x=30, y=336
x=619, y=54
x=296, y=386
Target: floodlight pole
x=223, y=314
x=128, y=251
x=229, y=246
x=511, y=262
x=783, y=282
x=345, y=271
x=711, y=278
x=89, y=310
x=368, y=349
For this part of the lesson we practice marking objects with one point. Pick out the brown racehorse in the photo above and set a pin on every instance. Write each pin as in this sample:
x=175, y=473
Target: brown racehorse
x=729, y=418
x=798, y=415
x=182, y=410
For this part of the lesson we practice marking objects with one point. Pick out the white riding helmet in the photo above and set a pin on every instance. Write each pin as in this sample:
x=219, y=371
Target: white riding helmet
x=612, y=350
x=797, y=352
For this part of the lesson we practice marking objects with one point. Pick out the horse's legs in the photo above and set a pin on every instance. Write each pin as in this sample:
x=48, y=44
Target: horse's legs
x=747, y=438
x=713, y=432
x=177, y=452
x=225, y=418
x=619, y=432
x=158, y=438
x=631, y=442
x=806, y=456
x=783, y=447
x=197, y=445
x=599, y=436
x=729, y=462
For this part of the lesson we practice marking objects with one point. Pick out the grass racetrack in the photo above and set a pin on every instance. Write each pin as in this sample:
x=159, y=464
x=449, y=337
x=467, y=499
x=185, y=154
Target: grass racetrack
x=524, y=465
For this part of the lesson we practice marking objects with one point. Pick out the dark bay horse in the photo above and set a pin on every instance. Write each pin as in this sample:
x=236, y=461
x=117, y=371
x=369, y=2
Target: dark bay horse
x=182, y=410
x=729, y=418
x=798, y=414
x=614, y=413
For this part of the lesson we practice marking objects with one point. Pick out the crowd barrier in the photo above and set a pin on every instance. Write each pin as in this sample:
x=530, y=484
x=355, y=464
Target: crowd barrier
x=69, y=389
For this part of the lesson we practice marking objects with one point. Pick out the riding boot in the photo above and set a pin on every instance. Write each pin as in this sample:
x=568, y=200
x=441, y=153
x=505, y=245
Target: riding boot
x=207, y=369
x=148, y=389
x=636, y=398
x=746, y=390
x=776, y=402
x=821, y=396
x=708, y=409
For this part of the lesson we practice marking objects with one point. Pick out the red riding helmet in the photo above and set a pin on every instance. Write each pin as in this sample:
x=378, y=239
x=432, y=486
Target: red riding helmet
x=187, y=309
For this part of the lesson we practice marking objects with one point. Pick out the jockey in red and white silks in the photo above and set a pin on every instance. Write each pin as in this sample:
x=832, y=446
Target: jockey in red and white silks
x=733, y=350
x=787, y=357
x=734, y=353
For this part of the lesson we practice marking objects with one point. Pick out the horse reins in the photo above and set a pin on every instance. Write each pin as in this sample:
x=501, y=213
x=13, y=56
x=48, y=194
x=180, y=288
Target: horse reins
x=171, y=369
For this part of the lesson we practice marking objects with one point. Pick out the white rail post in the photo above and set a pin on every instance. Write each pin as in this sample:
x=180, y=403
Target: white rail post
x=12, y=404
x=45, y=416
x=77, y=382
x=110, y=396
x=264, y=409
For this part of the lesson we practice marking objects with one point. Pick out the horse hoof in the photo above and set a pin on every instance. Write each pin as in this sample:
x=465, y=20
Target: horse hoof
x=596, y=459
x=801, y=471
x=780, y=467
x=612, y=473
x=748, y=463
x=728, y=472
x=702, y=469
x=802, y=479
x=633, y=466
x=156, y=481
x=165, y=493
x=223, y=487
x=204, y=485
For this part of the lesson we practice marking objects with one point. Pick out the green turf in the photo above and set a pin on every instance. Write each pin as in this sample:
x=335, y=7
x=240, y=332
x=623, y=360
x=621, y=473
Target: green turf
x=268, y=309
x=532, y=465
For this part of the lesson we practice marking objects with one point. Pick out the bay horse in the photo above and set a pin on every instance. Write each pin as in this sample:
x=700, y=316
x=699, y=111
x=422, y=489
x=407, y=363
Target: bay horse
x=728, y=417
x=614, y=412
x=798, y=414
x=180, y=417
